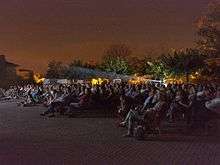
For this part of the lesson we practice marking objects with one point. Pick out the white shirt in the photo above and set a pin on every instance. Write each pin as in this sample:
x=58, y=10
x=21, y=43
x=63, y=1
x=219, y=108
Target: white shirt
x=147, y=100
x=213, y=105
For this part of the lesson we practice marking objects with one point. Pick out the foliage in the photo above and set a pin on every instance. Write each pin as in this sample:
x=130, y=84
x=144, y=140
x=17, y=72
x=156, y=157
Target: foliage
x=212, y=70
x=183, y=62
x=155, y=68
x=56, y=70
x=80, y=63
x=116, y=65
x=208, y=31
x=138, y=65
x=115, y=59
x=76, y=62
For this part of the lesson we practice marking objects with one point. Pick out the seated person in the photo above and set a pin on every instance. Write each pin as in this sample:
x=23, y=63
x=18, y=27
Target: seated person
x=125, y=105
x=34, y=96
x=56, y=102
x=214, y=104
x=2, y=94
x=178, y=106
x=140, y=115
x=149, y=101
x=84, y=101
x=28, y=99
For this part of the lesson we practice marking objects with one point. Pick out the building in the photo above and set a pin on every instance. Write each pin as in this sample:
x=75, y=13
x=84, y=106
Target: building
x=8, y=75
x=81, y=73
x=26, y=74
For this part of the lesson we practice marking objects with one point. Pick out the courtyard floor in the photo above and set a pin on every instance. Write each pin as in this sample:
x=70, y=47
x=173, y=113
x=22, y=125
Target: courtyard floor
x=27, y=138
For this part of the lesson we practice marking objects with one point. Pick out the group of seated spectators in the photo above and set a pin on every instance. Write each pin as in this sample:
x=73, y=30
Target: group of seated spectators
x=8, y=94
x=196, y=104
x=141, y=104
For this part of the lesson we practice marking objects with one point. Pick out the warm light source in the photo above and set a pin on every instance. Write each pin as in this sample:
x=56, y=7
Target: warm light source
x=138, y=79
x=38, y=79
x=98, y=81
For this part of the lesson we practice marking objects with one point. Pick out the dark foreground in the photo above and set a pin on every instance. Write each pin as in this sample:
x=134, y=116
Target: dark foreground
x=26, y=138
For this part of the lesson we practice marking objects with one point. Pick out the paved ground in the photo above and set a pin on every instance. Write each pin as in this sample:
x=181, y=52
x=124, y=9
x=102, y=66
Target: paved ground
x=27, y=138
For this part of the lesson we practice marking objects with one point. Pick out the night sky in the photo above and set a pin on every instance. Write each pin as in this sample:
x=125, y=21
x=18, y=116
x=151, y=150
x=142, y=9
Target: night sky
x=33, y=32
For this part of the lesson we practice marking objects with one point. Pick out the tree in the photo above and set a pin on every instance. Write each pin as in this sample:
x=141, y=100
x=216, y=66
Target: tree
x=212, y=70
x=116, y=65
x=183, y=62
x=208, y=31
x=55, y=70
x=157, y=69
x=138, y=65
x=116, y=58
x=76, y=62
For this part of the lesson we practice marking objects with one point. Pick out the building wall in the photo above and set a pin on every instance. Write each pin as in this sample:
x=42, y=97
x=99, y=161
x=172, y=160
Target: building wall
x=8, y=74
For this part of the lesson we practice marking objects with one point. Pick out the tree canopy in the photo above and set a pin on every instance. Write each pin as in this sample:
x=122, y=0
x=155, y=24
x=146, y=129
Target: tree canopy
x=208, y=31
x=56, y=69
x=183, y=62
x=116, y=58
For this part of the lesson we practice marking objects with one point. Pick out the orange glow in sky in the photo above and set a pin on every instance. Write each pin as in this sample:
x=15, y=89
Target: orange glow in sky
x=35, y=32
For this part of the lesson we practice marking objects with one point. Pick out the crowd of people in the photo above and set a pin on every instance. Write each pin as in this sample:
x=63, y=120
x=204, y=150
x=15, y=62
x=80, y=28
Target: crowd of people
x=140, y=107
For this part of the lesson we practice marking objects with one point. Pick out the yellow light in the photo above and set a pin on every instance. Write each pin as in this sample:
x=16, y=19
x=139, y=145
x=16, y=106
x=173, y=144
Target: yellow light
x=172, y=80
x=192, y=77
x=98, y=81
x=94, y=82
x=38, y=79
x=138, y=79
